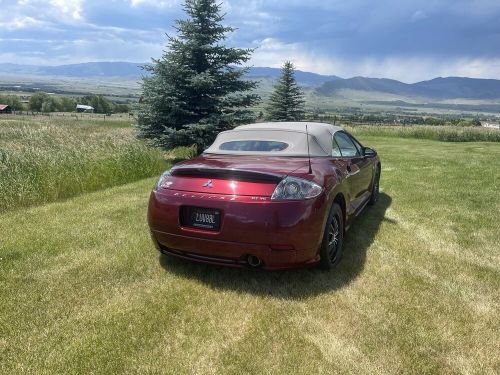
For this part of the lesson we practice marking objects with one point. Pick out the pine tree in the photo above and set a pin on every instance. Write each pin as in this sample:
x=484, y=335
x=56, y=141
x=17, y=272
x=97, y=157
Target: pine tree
x=196, y=90
x=286, y=103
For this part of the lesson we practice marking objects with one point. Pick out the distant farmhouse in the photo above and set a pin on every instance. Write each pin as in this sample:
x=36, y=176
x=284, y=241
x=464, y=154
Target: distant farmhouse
x=84, y=108
x=4, y=108
x=490, y=125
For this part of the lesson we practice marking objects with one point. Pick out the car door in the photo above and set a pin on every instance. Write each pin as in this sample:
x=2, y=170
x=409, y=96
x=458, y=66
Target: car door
x=357, y=167
x=366, y=168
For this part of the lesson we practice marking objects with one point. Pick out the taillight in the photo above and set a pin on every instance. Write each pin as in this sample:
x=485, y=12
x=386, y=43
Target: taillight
x=293, y=188
x=163, y=180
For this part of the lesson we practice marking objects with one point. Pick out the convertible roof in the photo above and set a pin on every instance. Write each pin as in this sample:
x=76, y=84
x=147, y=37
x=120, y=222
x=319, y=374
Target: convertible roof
x=292, y=133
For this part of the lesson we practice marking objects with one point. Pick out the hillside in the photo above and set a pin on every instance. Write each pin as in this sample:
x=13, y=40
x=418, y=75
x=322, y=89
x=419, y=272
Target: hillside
x=437, y=88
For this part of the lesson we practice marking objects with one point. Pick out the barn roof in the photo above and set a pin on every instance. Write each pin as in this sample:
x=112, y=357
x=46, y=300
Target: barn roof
x=3, y=106
x=83, y=106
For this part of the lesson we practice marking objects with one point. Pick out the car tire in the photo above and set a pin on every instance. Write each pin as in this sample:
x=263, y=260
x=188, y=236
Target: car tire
x=333, y=239
x=375, y=188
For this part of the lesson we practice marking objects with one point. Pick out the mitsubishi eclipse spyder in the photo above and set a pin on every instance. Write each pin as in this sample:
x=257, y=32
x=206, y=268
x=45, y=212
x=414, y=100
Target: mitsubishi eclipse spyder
x=269, y=195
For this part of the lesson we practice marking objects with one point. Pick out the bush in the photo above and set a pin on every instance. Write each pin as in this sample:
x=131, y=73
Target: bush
x=36, y=101
x=43, y=102
x=121, y=108
x=66, y=104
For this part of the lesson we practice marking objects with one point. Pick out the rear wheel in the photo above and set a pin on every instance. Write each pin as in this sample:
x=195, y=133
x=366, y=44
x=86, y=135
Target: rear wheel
x=333, y=238
x=375, y=188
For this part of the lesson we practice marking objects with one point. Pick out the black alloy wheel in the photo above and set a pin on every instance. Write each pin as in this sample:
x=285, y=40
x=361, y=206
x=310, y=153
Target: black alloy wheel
x=333, y=238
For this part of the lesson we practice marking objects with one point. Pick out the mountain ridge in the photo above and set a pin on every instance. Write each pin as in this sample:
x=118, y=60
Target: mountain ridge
x=322, y=85
x=134, y=70
x=437, y=88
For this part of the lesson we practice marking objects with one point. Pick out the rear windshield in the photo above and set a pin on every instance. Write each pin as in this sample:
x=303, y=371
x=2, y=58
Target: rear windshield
x=263, y=146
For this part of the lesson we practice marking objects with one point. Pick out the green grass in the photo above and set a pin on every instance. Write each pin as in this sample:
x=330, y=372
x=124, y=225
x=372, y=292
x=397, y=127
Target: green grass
x=43, y=159
x=438, y=133
x=82, y=289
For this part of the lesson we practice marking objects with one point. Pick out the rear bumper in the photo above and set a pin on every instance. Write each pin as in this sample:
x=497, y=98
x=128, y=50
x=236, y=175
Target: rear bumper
x=281, y=234
x=230, y=253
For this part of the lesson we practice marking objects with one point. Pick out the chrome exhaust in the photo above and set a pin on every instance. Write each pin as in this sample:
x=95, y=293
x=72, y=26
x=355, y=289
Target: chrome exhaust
x=254, y=261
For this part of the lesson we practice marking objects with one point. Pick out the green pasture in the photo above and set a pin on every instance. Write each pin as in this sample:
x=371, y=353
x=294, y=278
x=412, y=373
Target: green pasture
x=82, y=289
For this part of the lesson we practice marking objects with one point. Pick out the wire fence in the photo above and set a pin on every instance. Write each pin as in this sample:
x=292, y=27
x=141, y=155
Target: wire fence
x=75, y=115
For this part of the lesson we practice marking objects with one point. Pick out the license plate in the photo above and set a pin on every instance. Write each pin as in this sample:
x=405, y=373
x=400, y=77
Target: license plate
x=202, y=218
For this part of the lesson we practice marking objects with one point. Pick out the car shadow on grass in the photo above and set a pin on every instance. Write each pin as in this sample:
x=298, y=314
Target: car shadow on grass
x=293, y=284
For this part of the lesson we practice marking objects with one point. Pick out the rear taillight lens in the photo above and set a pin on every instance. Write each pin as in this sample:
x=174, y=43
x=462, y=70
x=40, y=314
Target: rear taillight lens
x=293, y=188
x=163, y=180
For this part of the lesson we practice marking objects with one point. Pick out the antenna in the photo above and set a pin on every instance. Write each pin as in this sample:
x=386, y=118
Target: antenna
x=308, y=153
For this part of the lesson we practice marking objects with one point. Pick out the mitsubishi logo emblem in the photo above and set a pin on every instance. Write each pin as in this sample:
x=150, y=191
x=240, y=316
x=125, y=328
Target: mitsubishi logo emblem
x=208, y=184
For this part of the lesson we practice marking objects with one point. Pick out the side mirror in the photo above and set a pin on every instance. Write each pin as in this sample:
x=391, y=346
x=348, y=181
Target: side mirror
x=369, y=152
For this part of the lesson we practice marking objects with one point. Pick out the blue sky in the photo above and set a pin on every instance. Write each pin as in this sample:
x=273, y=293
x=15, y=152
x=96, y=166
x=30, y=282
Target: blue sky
x=407, y=40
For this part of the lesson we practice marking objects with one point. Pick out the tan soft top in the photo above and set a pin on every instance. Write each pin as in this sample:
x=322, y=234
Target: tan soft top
x=292, y=133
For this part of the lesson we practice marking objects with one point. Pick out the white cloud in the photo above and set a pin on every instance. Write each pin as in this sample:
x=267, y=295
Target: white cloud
x=159, y=4
x=21, y=23
x=73, y=8
x=112, y=50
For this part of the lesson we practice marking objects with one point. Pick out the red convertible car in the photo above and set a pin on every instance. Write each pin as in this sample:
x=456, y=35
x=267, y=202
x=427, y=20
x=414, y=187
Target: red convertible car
x=270, y=195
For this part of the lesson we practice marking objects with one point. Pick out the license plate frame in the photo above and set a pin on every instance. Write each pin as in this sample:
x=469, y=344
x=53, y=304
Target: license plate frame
x=201, y=218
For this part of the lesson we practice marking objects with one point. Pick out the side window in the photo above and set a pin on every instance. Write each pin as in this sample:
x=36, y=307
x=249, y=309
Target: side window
x=347, y=147
x=356, y=143
x=335, y=148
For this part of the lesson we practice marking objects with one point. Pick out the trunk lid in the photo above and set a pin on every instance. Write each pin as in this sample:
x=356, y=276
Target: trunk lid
x=233, y=175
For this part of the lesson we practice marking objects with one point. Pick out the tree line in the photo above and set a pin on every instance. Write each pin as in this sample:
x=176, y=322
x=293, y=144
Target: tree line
x=43, y=102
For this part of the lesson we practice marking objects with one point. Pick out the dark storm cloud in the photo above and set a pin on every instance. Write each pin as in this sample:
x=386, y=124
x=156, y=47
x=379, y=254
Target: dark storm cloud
x=403, y=39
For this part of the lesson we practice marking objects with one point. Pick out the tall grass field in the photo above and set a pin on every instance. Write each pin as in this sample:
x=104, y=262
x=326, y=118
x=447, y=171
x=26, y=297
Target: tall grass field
x=437, y=133
x=43, y=159
x=83, y=290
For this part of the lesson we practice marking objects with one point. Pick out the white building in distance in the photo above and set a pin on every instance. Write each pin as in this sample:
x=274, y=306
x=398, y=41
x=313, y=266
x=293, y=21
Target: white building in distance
x=84, y=108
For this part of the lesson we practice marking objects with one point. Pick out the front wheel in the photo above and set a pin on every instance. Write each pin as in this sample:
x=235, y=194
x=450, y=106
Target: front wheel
x=333, y=238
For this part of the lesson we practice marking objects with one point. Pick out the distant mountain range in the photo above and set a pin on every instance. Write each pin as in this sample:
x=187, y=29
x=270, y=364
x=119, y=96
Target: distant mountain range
x=323, y=85
x=84, y=70
x=134, y=70
x=437, y=88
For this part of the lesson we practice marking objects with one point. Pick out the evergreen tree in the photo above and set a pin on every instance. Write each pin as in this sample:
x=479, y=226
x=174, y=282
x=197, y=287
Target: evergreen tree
x=196, y=90
x=286, y=103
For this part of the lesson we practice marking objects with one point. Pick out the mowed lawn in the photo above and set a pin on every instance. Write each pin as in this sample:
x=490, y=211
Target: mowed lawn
x=82, y=290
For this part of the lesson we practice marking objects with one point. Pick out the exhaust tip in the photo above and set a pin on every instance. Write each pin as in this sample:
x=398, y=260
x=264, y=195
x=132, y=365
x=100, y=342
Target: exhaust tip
x=254, y=261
